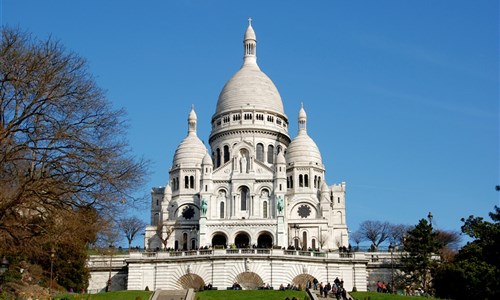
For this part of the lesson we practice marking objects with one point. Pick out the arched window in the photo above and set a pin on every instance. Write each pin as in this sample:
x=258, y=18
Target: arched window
x=291, y=182
x=186, y=182
x=217, y=158
x=288, y=182
x=316, y=181
x=221, y=210
x=319, y=182
x=184, y=241
x=306, y=180
x=226, y=153
x=313, y=243
x=301, y=181
x=304, y=240
x=244, y=196
x=193, y=244
x=264, y=209
x=270, y=154
x=260, y=152
x=191, y=182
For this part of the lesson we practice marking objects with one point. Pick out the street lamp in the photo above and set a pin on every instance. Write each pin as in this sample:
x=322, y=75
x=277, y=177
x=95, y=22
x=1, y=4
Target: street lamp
x=391, y=248
x=429, y=217
x=52, y=256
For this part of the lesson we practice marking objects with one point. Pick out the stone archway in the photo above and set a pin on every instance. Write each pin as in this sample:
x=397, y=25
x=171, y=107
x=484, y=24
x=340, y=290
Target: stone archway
x=249, y=280
x=191, y=281
x=219, y=240
x=242, y=240
x=265, y=240
x=302, y=280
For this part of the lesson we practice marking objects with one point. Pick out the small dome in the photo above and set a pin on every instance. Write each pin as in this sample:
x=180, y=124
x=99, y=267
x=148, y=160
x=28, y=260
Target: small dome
x=280, y=159
x=324, y=188
x=250, y=33
x=302, y=113
x=190, y=151
x=207, y=160
x=303, y=150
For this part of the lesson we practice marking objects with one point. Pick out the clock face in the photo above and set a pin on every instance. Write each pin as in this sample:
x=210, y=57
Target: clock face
x=188, y=212
x=304, y=211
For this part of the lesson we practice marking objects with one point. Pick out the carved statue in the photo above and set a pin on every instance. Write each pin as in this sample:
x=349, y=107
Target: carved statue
x=280, y=204
x=204, y=206
x=243, y=161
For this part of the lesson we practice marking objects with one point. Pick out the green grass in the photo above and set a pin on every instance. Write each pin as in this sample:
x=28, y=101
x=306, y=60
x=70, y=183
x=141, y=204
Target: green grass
x=119, y=295
x=383, y=296
x=250, y=295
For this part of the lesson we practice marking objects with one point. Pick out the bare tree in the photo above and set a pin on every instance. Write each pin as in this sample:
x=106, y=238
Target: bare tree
x=323, y=239
x=396, y=233
x=130, y=226
x=62, y=144
x=164, y=231
x=374, y=231
x=357, y=238
x=449, y=242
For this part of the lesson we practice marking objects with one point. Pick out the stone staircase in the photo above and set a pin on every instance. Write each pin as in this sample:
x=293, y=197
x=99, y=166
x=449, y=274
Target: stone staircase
x=173, y=295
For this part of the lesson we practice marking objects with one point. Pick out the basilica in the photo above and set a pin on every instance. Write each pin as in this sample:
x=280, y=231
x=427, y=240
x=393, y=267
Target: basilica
x=256, y=186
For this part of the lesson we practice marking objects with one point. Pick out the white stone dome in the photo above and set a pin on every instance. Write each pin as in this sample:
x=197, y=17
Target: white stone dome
x=250, y=87
x=303, y=150
x=190, y=151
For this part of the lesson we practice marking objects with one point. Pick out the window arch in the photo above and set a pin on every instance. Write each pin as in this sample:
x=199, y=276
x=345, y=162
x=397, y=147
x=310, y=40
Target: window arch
x=184, y=241
x=221, y=212
x=304, y=240
x=270, y=154
x=306, y=180
x=260, y=152
x=186, y=182
x=264, y=209
x=301, y=181
x=217, y=158
x=191, y=182
x=244, y=198
x=226, y=153
x=313, y=244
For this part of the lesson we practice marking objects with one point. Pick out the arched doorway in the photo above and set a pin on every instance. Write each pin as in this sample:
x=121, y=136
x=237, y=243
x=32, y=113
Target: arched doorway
x=242, y=240
x=303, y=280
x=249, y=280
x=191, y=281
x=219, y=240
x=265, y=240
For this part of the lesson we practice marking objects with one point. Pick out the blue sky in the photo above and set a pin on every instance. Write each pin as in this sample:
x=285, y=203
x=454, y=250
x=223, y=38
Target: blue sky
x=402, y=97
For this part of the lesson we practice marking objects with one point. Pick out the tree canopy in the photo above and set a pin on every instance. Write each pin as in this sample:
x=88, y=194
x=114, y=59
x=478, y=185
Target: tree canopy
x=475, y=270
x=63, y=151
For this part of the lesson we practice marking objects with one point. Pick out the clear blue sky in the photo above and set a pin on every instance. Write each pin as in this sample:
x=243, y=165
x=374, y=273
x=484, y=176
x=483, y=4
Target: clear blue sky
x=402, y=97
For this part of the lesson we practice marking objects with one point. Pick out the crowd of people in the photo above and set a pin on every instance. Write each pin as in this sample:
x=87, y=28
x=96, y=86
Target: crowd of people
x=336, y=289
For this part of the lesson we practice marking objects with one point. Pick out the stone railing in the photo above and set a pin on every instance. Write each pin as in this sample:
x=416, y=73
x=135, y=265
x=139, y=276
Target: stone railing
x=248, y=252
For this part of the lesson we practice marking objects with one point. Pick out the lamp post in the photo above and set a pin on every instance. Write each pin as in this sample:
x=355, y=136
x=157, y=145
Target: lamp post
x=429, y=217
x=52, y=256
x=391, y=248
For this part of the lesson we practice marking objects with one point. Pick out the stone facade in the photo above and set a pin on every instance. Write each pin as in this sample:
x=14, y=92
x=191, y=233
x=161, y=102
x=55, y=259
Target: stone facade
x=256, y=187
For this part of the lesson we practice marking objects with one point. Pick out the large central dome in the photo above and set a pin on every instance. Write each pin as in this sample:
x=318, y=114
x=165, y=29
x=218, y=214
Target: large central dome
x=249, y=87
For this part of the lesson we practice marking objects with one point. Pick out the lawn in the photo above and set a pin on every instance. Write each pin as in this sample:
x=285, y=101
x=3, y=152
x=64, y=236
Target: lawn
x=250, y=295
x=383, y=296
x=119, y=295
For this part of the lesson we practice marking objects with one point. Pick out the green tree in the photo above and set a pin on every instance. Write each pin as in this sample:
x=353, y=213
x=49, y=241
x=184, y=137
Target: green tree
x=62, y=150
x=475, y=271
x=421, y=246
